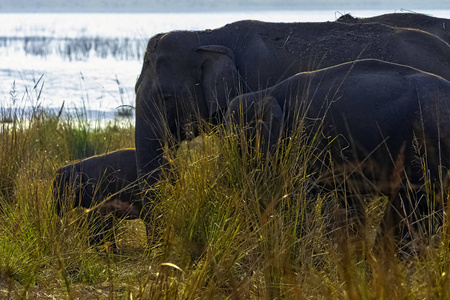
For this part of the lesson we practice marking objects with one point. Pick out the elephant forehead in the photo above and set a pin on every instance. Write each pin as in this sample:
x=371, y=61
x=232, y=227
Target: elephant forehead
x=177, y=42
x=170, y=61
x=171, y=68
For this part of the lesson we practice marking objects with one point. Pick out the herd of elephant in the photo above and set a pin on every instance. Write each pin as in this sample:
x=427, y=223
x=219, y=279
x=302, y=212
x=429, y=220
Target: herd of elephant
x=379, y=86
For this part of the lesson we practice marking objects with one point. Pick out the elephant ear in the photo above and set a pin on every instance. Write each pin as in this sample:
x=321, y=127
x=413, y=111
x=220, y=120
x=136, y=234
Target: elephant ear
x=219, y=77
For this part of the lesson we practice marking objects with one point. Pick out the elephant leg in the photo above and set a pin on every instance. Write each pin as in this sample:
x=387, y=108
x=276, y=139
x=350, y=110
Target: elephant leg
x=99, y=228
x=271, y=121
x=262, y=119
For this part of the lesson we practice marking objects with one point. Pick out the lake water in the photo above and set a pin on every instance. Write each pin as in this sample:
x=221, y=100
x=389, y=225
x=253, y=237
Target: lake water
x=93, y=60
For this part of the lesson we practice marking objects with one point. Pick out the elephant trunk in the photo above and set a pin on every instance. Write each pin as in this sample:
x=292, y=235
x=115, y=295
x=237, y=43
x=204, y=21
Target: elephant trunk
x=152, y=130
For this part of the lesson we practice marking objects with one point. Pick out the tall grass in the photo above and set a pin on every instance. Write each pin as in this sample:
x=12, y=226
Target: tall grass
x=229, y=223
x=36, y=246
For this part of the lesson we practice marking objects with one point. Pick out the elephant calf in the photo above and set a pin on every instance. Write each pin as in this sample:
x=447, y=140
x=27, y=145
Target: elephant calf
x=106, y=182
x=368, y=111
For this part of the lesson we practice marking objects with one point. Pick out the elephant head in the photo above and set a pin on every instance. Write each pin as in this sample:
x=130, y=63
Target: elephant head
x=182, y=79
x=69, y=188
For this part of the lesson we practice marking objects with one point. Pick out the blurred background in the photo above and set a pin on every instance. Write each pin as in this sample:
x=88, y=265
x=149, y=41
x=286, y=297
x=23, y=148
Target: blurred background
x=189, y=5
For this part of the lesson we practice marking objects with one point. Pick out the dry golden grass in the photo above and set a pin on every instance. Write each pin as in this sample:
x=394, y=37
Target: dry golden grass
x=230, y=223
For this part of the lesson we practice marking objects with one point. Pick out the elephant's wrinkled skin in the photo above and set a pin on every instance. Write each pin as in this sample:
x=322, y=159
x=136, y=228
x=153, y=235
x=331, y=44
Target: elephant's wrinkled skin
x=104, y=181
x=187, y=73
x=375, y=108
x=437, y=26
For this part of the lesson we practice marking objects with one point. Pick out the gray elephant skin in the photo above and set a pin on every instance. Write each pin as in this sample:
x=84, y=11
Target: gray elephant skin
x=375, y=109
x=191, y=75
x=104, y=181
x=440, y=27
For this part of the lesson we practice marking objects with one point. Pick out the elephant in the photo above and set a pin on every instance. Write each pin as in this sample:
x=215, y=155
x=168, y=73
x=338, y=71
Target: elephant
x=439, y=27
x=371, y=113
x=190, y=76
x=106, y=182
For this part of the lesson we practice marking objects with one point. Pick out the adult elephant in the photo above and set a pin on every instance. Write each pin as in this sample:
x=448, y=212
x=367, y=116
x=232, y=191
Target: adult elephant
x=189, y=75
x=379, y=119
x=440, y=27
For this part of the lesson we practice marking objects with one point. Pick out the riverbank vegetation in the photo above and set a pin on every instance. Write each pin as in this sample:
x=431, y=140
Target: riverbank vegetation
x=227, y=223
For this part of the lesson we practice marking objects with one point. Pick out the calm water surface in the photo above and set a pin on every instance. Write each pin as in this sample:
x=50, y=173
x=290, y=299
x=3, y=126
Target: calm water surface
x=93, y=60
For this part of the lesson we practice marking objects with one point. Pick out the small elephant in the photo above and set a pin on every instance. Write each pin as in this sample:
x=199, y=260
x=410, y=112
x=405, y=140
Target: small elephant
x=106, y=182
x=369, y=111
